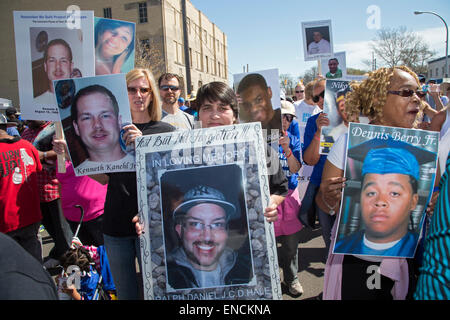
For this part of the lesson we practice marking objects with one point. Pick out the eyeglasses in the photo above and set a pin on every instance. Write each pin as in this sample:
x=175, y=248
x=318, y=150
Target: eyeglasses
x=301, y=91
x=195, y=226
x=317, y=98
x=288, y=117
x=141, y=90
x=407, y=93
x=166, y=88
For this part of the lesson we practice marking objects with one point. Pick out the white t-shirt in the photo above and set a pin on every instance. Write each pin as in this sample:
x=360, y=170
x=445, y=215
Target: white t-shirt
x=180, y=120
x=47, y=98
x=323, y=46
x=303, y=111
x=337, y=152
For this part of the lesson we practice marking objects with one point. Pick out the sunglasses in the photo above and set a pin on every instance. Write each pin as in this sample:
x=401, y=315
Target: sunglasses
x=141, y=90
x=408, y=93
x=166, y=88
x=288, y=117
x=301, y=91
x=317, y=98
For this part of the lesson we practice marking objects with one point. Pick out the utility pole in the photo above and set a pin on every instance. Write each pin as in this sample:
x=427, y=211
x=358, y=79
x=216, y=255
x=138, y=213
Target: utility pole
x=187, y=60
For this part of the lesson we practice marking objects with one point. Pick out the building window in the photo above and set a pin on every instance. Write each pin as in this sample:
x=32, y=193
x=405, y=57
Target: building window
x=143, y=12
x=437, y=72
x=207, y=64
x=107, y=13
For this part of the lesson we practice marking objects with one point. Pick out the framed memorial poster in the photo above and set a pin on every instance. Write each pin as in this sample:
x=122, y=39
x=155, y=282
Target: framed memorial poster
x=201, y=196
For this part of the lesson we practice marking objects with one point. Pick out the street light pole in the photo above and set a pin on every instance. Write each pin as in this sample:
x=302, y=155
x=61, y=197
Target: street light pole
x=446, y=38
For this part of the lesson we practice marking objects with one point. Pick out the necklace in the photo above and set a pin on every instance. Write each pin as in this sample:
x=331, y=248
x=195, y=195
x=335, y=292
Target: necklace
x=332, y=212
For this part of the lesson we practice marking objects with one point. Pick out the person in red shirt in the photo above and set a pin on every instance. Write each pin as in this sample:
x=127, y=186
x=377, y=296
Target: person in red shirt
x=20, y=213
x=50, y=202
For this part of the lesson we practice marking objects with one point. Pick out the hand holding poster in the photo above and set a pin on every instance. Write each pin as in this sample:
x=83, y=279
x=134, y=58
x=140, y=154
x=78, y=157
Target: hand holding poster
x=390, y=176
x=201, y=196
x=94, y=112
x=334, y=107
x=49, y=48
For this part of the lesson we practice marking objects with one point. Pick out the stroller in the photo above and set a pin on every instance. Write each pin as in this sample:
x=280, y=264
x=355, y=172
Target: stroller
x=96, y=281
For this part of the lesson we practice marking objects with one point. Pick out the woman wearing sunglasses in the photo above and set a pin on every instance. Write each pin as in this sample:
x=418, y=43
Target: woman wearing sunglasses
x=218, y=106
x=387, y=97
x=121, y=207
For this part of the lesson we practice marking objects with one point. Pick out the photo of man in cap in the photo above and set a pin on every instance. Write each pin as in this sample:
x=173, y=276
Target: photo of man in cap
x=389, y=193
x=204, y=258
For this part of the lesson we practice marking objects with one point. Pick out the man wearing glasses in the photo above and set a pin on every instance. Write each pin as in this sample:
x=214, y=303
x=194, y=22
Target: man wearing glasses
x=203, y=259
x=299, y=92
x=169, y=89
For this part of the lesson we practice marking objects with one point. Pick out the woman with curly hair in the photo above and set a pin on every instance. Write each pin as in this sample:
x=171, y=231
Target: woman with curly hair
x=388, y=97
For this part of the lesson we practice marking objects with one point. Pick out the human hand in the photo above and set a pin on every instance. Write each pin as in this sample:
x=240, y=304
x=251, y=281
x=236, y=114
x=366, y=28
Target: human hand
x=271, y=212
x=322, y=121
x=284, y=141
x=138, y=225
x=331, y=190
x=59, y=146
x=131, y=133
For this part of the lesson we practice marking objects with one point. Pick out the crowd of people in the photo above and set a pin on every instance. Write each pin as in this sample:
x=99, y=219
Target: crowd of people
x=34, y=192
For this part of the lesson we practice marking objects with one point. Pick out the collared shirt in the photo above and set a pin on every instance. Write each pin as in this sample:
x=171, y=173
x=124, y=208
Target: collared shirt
x=47, y=182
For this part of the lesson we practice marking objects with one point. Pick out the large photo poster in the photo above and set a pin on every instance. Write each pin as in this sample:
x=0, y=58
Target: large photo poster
x=259, y=100
x=334, y=107
x=390, y=177
x=93, y=112
x=114, y=46
x=49, y=47
x=201, y=196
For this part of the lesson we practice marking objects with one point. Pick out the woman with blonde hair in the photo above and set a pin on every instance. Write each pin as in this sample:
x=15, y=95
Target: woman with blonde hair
x=387, y=97
x=121, y=206
x=120, y=239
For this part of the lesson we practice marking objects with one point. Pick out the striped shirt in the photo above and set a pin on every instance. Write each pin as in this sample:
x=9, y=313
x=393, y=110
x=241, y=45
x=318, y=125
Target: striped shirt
x=434, y=279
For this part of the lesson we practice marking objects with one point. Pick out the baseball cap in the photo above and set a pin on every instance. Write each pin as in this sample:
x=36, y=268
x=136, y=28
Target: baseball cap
x=205, y=194
x=287, y=108
x=391, y=156
x=11, y=111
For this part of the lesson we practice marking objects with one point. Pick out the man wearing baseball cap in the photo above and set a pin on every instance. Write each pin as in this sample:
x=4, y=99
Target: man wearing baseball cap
x=203, y=259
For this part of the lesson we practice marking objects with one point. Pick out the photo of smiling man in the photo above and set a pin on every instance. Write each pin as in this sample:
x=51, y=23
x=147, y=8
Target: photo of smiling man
x=93, y=124
x=389, y=194
x=211, y=248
